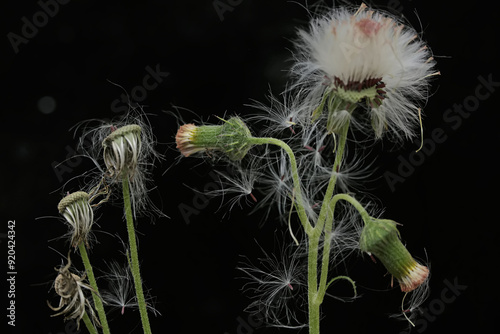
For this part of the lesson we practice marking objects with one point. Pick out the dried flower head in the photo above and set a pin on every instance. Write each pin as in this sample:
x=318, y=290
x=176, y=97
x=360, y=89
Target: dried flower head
x=75, y=207
x=362, y=57
x=381, y=238
x=121, y=150
x=232, y=138
x=73, y=304
x=127, y=146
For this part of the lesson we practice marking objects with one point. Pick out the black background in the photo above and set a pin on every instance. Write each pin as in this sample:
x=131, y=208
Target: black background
x=215, y=67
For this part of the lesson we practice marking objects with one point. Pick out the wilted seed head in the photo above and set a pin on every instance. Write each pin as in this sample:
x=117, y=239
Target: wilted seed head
x=381, y=238
x=232, y=138
x=73, y=302
x=76, y=208
x=121, y=150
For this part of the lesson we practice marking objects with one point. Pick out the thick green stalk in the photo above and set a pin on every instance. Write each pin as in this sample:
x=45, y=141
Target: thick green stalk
x=89, y=324
x=295, y=176
x=312, y=283
x=93, y=283
x=134, y=257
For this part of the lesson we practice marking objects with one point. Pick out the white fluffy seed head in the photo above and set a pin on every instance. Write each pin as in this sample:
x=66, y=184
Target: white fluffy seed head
x=367, y=56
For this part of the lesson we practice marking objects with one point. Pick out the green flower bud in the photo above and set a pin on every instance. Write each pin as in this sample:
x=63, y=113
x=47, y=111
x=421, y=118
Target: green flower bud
x=232, y=138
x=381, y=238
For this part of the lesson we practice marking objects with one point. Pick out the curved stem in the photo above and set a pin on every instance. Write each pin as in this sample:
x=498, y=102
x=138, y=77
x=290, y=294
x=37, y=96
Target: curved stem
x=347, y=278
x=328, y=230
x=95, y=293
x=348, y=198
x=134, y=256
x=295, y=176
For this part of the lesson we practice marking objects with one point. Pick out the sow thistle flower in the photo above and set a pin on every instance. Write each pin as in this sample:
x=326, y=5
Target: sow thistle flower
x=365, y=58
x=232, y=138
x=381, y=238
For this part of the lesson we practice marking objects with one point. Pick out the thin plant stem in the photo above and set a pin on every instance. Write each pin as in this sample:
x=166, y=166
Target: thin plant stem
x=316, y=293
x=312, y=284
x=95, y=293
x=325, y=261
x=295, y=176
x=134, y=257
x=328, y=230
x=348, y=198
x=89, y=324
x=333, y=178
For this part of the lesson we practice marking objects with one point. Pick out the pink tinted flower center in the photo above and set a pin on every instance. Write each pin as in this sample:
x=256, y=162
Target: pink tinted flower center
x=368, y=26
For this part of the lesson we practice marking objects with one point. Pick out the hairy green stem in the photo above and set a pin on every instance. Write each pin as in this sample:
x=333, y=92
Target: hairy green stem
x=295, y=176
x=348, y=198
x=327, y=236
x=312, y=283
x=325, y=261
x=89, y=324
x=333, y=178
x=95, y=293
x=317, y=293
x=134, y=257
